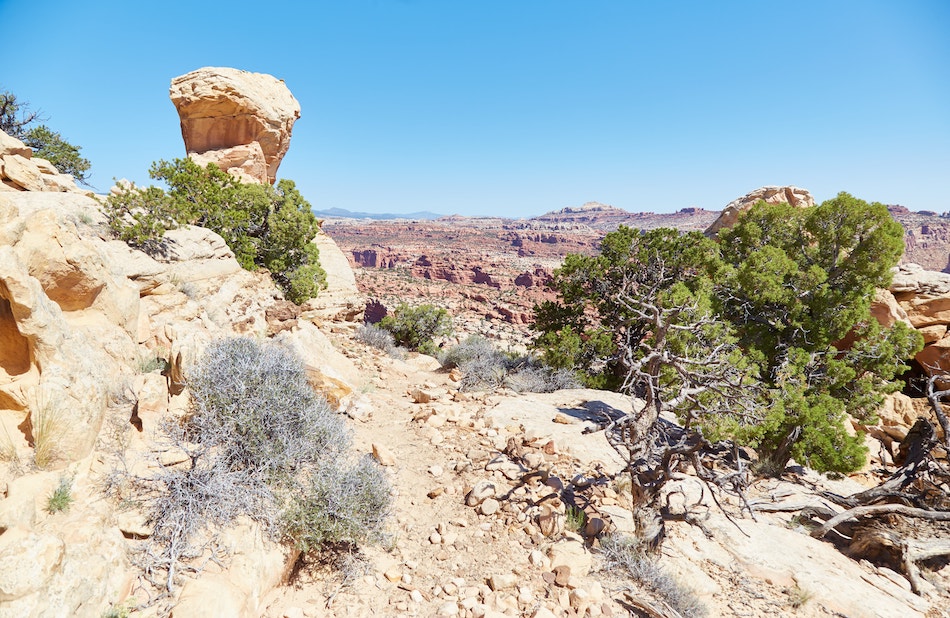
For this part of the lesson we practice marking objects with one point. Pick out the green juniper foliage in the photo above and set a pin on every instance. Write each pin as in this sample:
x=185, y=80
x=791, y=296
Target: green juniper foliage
x=16, y=120
x=417, y=327
x=784, y=286
x=267, y=226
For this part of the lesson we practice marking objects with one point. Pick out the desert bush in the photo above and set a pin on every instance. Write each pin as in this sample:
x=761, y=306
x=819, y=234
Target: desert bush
x=260, y=444
x=484, y=366
x=622, y=553
x=61, y=497
x=379, y=338
x=268, y=226
x=417, y=327
x=532, y=377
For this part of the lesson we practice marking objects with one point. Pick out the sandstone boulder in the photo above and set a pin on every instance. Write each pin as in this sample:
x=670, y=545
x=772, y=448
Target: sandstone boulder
x=914, y=279
x=225, y=111
x=794, y=196
x=341, y=300
x=20, y=171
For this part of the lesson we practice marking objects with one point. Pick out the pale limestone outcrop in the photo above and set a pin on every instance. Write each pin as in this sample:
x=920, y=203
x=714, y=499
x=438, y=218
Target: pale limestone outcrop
x=341, y=300
x=224, y=109
x=64, y=564
x=924, y=297
x=21, y=171
x=794, y=196
x=67, y=322
x=246, y=162
x=914, y=279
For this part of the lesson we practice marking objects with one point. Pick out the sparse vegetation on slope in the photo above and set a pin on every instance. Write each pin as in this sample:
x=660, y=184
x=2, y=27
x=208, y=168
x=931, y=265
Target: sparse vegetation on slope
x=484, y=367
x=261, y=444
x=268, y=226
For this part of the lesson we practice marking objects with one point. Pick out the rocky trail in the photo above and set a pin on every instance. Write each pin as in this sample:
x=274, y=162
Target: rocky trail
x=453, y=555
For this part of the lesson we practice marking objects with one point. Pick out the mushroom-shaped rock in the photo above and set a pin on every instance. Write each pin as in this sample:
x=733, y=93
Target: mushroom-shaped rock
x=793, y=196
x=225, y=111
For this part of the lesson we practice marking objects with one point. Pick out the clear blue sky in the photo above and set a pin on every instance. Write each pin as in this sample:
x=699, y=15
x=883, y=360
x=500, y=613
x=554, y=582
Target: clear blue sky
x=518, y=107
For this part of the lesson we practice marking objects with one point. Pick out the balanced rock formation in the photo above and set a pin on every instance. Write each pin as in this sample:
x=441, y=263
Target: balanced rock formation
x=238, y=120
x=794, y=196
x=21, y=171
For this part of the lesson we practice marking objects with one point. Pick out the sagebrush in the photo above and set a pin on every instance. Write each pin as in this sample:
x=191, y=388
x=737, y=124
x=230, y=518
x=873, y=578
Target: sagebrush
x=260, y=444
x=379, y=338
x=485, y=367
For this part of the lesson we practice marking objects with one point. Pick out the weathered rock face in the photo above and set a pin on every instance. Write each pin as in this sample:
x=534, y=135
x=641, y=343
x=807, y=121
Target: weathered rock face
x=20, y=171
x=794, y=196
x=224, y=112
x=67, y=322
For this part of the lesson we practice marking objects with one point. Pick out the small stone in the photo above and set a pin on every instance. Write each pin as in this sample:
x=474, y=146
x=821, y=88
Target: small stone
x=293, y=612
x=436, y=492
x=435, y=538
x=548, y=577
x=534, y=460
x=393, y=574
x=480, y=492
x=536, y=558
x=436, y=470
x=571, y=552
x=580, y=600
x=489, y=507
x=448, y=609
x=436, y=420
x=594, y=526
x=383, y=455
x=562, y=419
x=420, y=396
x=416, y=596
x=562, y=575
x=543, y=612
x=501, y=582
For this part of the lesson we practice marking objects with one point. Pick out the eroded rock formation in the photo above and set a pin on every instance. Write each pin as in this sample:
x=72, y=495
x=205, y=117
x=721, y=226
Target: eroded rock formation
x=794, y=196
x=21, y=171
x=240, y=121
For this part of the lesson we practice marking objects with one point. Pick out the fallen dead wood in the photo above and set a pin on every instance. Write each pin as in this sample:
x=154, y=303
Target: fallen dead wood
x=879, y=509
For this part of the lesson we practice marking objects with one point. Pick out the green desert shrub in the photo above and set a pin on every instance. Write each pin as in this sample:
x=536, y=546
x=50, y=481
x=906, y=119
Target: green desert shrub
x=269, y=226
x=61, y=497
x=417, y=327
x=261, y=444
x=18, y=120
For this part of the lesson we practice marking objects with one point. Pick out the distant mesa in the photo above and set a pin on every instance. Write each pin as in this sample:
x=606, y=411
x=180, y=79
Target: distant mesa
x=342, y=213
x=238, y=120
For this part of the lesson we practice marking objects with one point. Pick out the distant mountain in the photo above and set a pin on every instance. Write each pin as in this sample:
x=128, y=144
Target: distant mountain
x=342, y=213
